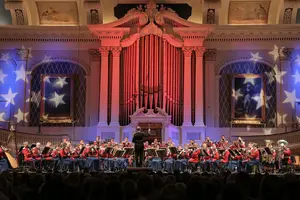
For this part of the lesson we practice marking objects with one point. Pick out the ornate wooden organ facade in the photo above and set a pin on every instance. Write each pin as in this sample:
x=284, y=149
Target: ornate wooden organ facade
x=151, y=59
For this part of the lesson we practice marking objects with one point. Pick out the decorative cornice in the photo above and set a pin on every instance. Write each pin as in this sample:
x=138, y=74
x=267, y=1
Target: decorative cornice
x=227, y=33
x=46, y=34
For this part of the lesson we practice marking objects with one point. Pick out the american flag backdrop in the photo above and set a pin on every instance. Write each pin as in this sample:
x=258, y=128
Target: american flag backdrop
x=57, y=92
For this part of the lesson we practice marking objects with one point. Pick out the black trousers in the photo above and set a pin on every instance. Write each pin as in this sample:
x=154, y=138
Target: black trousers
x=139, y=156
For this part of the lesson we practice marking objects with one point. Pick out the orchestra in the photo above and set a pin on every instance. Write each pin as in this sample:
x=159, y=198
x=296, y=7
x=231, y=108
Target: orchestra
x=109, y=155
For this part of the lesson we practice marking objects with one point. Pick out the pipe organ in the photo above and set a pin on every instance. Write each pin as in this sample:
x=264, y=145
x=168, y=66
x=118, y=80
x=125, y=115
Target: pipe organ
x=151, y=77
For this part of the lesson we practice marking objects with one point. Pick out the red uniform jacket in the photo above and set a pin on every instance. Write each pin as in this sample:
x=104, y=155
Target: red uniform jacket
x=254, y=154
x=27, y=154
x=63, y=153
x=36, y=154
x=54, y=153
x=1, y=153
x=216, y=156
x=225, y=157
x=287, y=154
x=195, y=156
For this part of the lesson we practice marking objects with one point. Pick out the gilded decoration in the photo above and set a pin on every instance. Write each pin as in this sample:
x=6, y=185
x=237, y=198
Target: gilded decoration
x=248, y=12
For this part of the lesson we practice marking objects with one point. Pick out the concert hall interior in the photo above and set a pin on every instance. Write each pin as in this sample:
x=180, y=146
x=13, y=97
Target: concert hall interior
x=184, y=71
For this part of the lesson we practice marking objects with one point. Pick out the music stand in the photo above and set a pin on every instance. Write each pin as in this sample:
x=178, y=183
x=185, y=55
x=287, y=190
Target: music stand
x=82, y=149
x=161, y=153
x=173, y=150
x=221, y=151
x=45, y=150
x=32, y=146
x=128, y=151
x=119, y=153
x=231, y=153
x=108, y=150
x=151, y=152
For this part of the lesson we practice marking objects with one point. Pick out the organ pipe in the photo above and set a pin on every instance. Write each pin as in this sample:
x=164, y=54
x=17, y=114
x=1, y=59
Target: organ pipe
x=151, y=78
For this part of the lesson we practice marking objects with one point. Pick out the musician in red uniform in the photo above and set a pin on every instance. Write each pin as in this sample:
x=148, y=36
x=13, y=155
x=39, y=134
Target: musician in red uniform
x=47, y=160
x=205, y=155
x=126, y=143
x=286, y=156
x=194, y=161
x=27, y=153
x=92, y=161
x=208, y=142
x=224, y=158
x=215, y=156
x=183, y=157
x=65, y=154
x=170, y=160
x=3, y=160
x=253, y=157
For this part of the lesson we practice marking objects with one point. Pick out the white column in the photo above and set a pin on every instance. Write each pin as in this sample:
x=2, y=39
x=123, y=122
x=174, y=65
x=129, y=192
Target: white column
x=115, y=86
x=217, y=100
x=199, y=96
x=103, y=97
x=93, y=94
x=210, y=97
x=187, y=104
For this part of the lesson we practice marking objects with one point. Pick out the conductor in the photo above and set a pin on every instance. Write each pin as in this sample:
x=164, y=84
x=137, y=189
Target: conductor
x=138, y=140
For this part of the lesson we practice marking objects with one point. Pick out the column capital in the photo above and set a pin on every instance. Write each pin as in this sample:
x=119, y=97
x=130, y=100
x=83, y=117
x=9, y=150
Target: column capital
x=104, y=51
x=94, y=53
x=116, y=51
x=199, y=51
x=286, y=54
x=210, y=55
x=187, y=51
x=23, y=54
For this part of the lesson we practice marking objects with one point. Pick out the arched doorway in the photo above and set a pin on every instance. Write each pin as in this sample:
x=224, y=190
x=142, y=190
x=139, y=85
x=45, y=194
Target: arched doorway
x=58, y=68
x=225, y=90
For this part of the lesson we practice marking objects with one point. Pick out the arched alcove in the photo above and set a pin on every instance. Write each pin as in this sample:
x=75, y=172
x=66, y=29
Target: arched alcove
x=79, y=95
x=225, y=89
